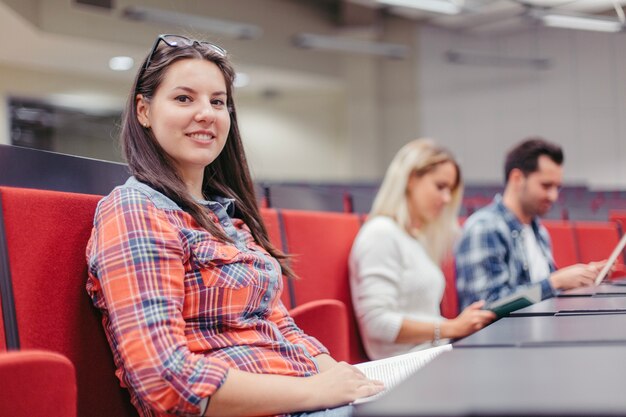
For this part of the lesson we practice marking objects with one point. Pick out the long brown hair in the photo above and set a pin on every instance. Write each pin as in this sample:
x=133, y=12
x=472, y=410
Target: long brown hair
x=228, y=175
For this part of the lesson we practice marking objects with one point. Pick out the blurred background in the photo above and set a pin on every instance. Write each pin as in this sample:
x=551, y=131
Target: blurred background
x=329, y=90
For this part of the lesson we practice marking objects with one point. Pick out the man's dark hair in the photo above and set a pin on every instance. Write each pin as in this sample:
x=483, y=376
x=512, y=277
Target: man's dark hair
x=525, y=156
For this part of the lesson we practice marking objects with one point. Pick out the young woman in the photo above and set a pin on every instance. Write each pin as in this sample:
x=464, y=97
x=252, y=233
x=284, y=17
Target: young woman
x=395, y=277
x=181, y=266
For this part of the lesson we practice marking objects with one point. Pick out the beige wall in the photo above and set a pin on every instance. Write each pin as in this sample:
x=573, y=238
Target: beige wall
x=340, y=118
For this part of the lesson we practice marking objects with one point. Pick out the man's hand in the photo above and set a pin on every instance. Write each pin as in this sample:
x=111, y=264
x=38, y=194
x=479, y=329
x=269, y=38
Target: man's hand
x=574, y=276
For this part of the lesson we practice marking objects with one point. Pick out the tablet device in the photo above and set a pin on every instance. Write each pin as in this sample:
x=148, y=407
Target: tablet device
x=609, y=263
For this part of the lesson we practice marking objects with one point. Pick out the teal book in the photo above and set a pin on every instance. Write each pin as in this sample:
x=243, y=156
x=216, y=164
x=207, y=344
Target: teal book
x=506, y=305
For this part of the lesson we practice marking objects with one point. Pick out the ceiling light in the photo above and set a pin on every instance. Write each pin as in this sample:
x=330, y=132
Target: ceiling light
x=581, y=22
x=121, y=63
x=193, y=22
x=436, y=6
x=341, y=44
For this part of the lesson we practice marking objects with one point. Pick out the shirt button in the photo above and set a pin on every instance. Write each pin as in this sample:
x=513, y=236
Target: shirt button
x=225, y=223
x=266, y=298
x=514, y=234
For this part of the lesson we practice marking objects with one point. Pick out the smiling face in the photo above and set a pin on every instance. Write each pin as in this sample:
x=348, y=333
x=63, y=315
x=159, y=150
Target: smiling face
x=188, y=115
x=429, y=193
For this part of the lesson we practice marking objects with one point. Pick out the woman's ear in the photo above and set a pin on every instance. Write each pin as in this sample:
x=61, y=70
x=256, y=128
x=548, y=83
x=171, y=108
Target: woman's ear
x=143, y=110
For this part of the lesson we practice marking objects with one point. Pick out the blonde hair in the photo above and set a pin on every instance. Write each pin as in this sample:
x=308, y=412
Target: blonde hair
x=419, y=157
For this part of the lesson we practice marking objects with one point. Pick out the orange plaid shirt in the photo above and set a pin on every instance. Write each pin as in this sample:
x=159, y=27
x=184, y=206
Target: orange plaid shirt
x=181, y=308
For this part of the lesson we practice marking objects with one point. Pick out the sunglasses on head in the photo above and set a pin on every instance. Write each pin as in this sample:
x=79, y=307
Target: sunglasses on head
x=174, y=41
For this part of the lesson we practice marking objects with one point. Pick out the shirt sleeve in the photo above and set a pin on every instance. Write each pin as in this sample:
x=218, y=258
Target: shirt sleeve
x=137, y=259
x=293, y=333
x=376, y=270
x=482, y=268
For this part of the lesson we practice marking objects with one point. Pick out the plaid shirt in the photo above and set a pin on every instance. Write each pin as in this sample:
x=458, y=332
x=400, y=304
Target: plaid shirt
x=181, y=308
x=491, y=260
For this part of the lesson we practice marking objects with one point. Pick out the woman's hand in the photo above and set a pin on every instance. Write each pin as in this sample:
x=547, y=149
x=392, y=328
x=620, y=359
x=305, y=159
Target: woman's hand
x=341, y=384
x=471, y=319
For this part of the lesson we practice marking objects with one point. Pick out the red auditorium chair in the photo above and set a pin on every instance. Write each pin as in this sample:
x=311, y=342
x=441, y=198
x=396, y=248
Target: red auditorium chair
x=596, y=241
x=326, y=238
x=564, y=248
x=45, y=233
x=36, y=383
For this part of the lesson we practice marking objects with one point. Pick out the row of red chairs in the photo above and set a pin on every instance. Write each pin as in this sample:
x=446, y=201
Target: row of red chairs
x=43, y=271
x=43, y=235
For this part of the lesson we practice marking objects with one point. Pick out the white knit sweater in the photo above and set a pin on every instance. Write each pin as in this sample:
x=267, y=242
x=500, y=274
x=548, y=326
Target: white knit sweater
x=392, y=278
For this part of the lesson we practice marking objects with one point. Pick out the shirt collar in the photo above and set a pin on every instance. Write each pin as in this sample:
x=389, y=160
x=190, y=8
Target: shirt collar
x=216, y=201
x=511, y=219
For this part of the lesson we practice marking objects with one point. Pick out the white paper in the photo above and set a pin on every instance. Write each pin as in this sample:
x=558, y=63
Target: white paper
x=392, y=371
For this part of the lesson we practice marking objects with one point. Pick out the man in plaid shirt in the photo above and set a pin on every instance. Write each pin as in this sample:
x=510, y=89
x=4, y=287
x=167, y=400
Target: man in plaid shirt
x=504, y=248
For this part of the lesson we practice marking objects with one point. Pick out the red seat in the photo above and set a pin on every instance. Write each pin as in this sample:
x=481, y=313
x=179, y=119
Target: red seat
x=564, y=248
x=37, y=383
x=46, y=233
x=596, y=241
x=320, y=243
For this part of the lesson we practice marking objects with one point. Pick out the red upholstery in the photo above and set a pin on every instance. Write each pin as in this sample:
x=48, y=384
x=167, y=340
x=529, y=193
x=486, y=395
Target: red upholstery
x=596, y=241
x=564, y=247
x=47, y=233
x=450, y=301
x=327, y=320
x=323, y=240
x=37, y=383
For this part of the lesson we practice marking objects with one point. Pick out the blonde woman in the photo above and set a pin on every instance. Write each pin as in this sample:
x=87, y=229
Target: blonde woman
x=395, y=277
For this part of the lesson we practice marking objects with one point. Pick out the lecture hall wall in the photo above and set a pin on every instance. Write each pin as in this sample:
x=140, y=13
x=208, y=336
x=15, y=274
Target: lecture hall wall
x=350, y=129
x=579, y=101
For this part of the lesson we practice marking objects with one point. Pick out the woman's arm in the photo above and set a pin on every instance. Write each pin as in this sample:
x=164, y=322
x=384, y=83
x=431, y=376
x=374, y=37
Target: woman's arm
x=471, y=319
x=246, y=394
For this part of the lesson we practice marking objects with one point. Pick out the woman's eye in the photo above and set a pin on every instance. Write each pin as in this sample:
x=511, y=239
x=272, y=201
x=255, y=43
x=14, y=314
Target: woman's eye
x=183, y=99
x=218, y=102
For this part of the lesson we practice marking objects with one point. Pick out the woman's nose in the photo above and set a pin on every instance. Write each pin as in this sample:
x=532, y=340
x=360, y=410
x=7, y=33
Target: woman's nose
x=205, y=113
x=446, y=196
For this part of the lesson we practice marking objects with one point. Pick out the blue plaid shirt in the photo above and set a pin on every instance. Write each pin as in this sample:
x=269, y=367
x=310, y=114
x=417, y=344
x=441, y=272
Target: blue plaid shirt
x=491, y=260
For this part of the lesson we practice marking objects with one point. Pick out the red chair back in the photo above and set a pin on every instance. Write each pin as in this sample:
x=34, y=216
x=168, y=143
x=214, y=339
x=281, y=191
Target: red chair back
x=596, y=241
x=326, y=240
x=46, y=234
x=564, y=248
x=37, y=383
